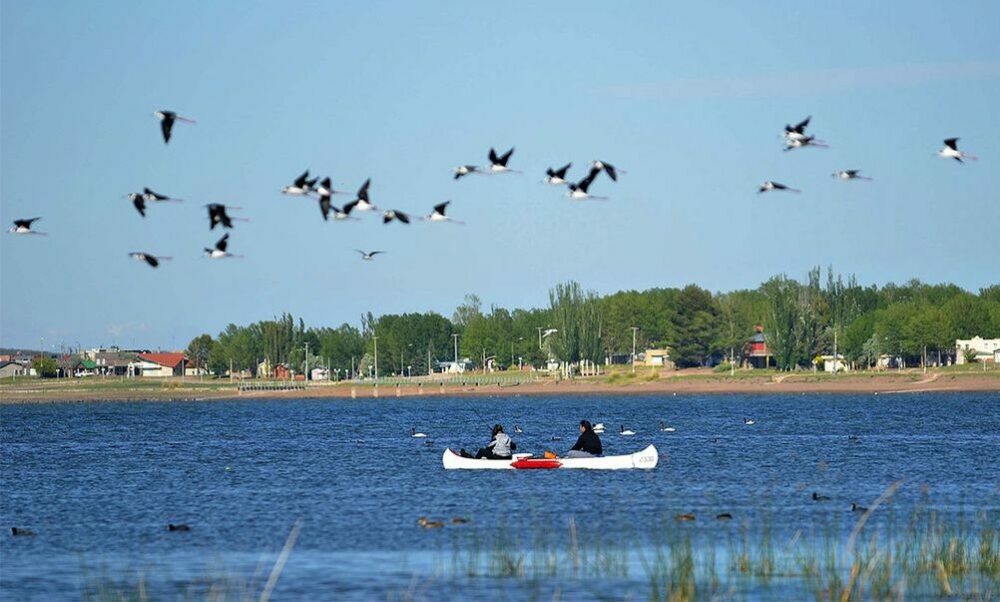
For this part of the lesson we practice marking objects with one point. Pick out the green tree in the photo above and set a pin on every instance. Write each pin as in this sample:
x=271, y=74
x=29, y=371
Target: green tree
x=576, y=316
x=45, y=366
x=696, y=325
x=784, y=320
x=199, y=350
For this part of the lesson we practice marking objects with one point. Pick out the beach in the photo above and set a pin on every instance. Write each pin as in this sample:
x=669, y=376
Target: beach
x=683, y=382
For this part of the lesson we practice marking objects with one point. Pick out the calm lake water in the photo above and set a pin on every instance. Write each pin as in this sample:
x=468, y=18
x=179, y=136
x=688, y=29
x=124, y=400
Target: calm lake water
x=98, y=482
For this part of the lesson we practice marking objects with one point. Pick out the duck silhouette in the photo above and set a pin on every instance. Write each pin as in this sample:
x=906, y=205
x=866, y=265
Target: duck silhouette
x=178, y=527
x=21, y=532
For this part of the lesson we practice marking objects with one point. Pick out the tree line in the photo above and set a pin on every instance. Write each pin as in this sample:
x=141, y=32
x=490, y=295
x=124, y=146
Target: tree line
x=800, y=319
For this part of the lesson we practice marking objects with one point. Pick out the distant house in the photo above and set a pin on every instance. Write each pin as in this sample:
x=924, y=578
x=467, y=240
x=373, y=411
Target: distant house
x=113, y=362
x=655, y=358
x=160, y=365
x=319, y=374
x=264, y=369
x=282, y=372
x=454, y=367
x=755, y=351
x=985, y=349
x=10, y=369
x=834, y=364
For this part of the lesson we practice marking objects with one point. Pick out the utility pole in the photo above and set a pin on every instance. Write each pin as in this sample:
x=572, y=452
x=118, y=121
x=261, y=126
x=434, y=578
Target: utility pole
x=836, y=361
x=429, y=360
x=376, y=357
x=634, y=330
x=455, y=336
x=539, y=337
x=305, y=367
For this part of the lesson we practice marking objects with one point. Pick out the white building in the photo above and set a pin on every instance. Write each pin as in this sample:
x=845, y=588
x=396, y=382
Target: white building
x=834, y=364
x=986, y=349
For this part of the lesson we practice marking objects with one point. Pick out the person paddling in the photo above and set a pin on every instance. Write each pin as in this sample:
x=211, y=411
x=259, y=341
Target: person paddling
x=499, y=448
x=588, y=444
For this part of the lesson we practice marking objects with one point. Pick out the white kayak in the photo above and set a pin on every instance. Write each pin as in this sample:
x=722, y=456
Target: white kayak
x=646, y=458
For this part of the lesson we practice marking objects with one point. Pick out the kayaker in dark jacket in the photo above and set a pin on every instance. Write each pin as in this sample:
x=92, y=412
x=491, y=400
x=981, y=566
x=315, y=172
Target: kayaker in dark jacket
x=588, y=444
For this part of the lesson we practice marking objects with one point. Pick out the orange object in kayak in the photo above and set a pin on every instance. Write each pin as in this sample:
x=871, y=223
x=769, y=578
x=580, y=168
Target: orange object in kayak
x=536, y=463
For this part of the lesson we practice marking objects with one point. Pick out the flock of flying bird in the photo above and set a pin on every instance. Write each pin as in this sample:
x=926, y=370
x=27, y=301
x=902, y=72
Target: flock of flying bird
x=218, y=214
x=795, y=137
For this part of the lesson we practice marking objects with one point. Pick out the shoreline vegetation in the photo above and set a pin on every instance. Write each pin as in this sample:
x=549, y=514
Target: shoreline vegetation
x=921, y=553
x=643, y=381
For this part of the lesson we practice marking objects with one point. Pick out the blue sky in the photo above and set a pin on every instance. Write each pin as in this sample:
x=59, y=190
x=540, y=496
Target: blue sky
x=689, y=98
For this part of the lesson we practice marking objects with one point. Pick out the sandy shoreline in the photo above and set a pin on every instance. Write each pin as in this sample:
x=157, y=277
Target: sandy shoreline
x=883, y=383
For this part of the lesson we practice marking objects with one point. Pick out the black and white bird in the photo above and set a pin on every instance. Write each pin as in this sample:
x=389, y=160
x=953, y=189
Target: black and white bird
x=167, y=119
x=138, y=201
x=345, y=212
x=217, y=215
x=580, y=190
x=391, y=214
x=557, y=176
x=797, y=131
x=23, y=226
x=220, y=252
x=794, y=143
x=608, y=169
x=768, y=186
x=302, y=186
x=498, y=163
x=325, y=188
x=950, y=151
x=363, y=203
x=152, y=260
x=464, y=170
x=368, y=255
x=154, y=197
x=438, y=214
x=849, y=174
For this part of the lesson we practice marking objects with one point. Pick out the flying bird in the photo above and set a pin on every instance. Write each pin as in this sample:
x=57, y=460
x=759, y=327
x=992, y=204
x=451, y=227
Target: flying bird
x=438, y=214
x=849, y=174
x=608, y=169
x=220, y=252
x=154, y=197
x=302, y=186
x=579, y=191
x=391, y=214
x=797, y=131
x=217, y=215
x=138, y=201
x=363, y=203
x=167, y=119
x=345, y=213
x=769, y=186
x=148, y=196
x=325, y=188
x=557, y=176
x=498, y=164
x=368, y=256
x=793, y=143
x=464, y=170
x=950, y=151
x=23, y=226
x=152, y=260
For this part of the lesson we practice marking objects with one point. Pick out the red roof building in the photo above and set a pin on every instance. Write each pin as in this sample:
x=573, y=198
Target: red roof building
x=162, y=364
x=755, y=352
